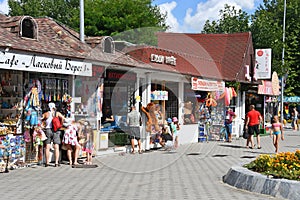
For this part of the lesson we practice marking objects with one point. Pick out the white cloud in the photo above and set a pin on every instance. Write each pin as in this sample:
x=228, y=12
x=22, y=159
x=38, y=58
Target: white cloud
x=4, y=6
x=171, y=19
x=209, y=10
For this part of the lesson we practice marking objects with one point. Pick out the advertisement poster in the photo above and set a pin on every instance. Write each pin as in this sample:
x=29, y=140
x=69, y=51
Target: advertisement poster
x=262, y=68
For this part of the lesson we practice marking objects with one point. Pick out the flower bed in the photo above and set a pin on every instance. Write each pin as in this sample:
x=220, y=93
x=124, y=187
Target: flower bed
x=282, y=165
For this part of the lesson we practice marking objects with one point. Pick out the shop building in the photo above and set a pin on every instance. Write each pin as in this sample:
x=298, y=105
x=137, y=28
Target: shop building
x=203, y=63
x=177, y=75
x=41, y=54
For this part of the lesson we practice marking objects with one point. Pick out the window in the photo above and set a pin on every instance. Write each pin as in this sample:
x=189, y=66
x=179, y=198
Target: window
x=28, y=28
x=108, y=45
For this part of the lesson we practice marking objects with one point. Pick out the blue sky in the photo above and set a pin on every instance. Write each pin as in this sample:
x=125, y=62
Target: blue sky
x=189, y=16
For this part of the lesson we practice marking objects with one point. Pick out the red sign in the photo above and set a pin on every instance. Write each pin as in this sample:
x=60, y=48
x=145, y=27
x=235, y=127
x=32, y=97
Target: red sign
x=207, y=85
x=266, y=88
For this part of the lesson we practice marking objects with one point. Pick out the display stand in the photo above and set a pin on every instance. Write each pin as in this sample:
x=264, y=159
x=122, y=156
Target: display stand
x=202, y=137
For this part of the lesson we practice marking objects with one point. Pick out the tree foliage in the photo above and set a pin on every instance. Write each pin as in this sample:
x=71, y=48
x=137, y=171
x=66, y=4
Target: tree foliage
x=231, y=21
x=266, y=25
x=135, y=21
x=267, y=30
x=60, y=10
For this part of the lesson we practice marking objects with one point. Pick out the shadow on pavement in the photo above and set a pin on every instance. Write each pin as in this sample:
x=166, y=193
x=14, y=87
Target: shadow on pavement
x=193, y=154
x=219, y=155
x=232, y=146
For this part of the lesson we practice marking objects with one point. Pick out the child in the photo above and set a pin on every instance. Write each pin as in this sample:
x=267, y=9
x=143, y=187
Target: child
x=88, y=146
x=176, y=132
x=39, y=137
x=277, y=130
x=70, y=141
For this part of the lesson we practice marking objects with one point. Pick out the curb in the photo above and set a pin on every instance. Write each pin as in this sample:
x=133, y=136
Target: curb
x=243, y=178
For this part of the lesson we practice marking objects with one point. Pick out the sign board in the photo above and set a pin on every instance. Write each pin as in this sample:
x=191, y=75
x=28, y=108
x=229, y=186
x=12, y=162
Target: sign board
x=207, y=85
x=262, y=68
x=43, y=64
x=159, y=95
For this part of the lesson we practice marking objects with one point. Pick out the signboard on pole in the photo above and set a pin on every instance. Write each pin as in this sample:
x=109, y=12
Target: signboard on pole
x=262, y=68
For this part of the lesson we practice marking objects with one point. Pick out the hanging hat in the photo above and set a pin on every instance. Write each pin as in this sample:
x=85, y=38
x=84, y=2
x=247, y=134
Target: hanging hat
x=169, y=120
x=175, y=119
x=51, y=105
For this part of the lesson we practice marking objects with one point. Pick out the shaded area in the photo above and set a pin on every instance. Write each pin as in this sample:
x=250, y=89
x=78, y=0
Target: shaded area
x=232, y=146
x=193, y=154
x=219, y=155
x=248, y=156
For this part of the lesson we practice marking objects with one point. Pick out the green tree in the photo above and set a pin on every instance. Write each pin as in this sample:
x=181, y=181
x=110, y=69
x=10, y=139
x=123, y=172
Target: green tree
x=231, y=21
x=135, y=21
x=267, y=30
x=60, y=10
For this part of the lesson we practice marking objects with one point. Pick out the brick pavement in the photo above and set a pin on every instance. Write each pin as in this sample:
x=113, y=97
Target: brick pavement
x=195, y=171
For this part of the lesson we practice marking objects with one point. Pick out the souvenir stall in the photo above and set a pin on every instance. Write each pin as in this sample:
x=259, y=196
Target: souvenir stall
x=11, y=137
x=212, y=98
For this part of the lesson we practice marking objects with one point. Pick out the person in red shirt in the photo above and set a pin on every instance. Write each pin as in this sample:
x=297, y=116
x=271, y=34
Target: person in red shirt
x=253, y=119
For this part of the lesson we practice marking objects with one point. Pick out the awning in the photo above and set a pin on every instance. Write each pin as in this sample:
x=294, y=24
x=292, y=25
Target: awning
x=294, y=99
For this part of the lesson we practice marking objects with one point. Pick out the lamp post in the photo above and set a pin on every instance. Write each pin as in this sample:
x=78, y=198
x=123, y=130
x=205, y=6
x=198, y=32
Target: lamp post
x=283, y=77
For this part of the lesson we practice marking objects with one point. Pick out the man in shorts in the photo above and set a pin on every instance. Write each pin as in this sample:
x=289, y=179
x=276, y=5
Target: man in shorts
x=253, y=119
x=133, y=121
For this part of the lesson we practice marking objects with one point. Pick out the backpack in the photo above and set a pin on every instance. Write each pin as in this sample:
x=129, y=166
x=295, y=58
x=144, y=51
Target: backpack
x=56, y=124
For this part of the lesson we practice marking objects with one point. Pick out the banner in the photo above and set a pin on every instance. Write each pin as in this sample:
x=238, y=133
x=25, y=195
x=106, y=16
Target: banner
x=43, y=64
x=262, y=68
x=207, y=85
x=159, y=95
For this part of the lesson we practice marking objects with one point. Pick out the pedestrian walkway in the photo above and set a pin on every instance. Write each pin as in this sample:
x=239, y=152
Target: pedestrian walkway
x=194, y=171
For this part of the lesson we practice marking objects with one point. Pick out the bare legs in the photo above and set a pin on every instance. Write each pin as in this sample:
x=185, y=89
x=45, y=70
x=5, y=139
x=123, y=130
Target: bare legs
x=139, y=145
x=176, y=142
x=251, y=140
x=70, y=156
x=132, y=145
x=276, y=142
x=47, y=154
x=56, y=153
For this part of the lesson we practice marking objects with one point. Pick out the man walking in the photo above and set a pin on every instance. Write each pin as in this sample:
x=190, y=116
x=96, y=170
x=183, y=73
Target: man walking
x=133, y=121
x=253, y=119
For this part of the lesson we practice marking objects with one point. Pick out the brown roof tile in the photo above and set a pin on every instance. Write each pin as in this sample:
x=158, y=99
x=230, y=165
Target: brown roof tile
x=56, y=39
x=231, y=52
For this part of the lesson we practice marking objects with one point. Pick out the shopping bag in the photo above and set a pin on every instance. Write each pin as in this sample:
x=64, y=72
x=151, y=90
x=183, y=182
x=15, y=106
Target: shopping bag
x=245, y=133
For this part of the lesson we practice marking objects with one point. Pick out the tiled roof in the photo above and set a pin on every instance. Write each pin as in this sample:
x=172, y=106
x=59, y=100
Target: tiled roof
x=187, y=64
x=56, y=39
x=230, y=52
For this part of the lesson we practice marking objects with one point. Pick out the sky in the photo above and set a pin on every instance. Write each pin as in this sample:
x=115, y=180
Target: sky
x=189, y=16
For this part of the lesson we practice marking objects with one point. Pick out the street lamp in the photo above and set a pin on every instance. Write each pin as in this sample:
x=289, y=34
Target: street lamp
x=283, y=77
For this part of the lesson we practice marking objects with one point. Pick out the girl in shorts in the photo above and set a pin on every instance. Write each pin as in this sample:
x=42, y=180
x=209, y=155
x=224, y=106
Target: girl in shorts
x=276, y=131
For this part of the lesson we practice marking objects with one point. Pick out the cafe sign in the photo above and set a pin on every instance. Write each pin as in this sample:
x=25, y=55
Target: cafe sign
x=170, y=60
x=35, y=63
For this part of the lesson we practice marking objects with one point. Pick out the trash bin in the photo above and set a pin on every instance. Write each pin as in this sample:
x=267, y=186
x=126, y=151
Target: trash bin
x=103, y=141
